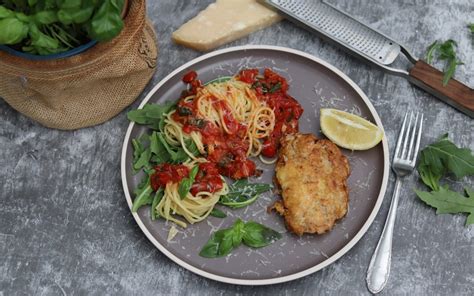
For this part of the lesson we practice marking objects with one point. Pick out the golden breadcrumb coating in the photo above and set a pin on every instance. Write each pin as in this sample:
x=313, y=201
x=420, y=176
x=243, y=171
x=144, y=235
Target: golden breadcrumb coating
x=312, y=175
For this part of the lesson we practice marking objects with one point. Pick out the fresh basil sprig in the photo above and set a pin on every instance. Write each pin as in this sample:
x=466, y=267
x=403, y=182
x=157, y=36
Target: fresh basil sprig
x=186, y=183
x=242, y=193
x=48, y=26
x=252, y=234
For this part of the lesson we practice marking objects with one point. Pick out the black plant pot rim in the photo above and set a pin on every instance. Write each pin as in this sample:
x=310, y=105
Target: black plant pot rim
x=54, y=56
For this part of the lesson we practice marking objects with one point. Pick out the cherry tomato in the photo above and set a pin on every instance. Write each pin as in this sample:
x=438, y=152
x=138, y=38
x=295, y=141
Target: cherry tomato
x=189, y=77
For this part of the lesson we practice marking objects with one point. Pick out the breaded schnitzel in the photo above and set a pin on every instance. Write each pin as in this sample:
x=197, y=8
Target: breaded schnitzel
x=312, y=175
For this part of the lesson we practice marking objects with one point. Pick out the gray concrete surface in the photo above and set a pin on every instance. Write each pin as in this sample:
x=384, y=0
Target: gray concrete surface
x=65, y=228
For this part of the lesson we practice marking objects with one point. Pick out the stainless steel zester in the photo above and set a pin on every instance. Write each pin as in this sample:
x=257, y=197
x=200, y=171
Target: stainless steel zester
x=371, y=45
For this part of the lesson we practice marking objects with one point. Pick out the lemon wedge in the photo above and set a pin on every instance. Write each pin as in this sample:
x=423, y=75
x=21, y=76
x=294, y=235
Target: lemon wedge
x=348, y=130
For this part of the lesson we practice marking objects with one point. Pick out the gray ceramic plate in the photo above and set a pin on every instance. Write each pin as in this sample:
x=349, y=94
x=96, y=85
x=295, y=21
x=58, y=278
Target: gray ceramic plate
x=315, y=84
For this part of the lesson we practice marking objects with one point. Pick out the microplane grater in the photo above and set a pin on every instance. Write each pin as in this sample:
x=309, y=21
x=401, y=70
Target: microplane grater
x=373, y=46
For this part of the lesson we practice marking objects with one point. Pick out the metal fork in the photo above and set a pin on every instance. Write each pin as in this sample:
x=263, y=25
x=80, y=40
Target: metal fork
x=403, y=164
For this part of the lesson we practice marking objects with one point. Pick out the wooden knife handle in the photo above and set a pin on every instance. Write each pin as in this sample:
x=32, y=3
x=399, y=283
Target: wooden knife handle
x=454, y=93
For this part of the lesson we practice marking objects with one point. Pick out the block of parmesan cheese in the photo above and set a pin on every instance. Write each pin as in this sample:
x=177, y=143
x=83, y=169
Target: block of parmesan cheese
x=224, y=21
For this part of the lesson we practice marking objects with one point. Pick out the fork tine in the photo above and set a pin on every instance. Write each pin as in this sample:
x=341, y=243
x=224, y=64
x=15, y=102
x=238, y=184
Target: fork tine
x=406, y=137
x=417, y=147
x=413, y=134
x=400, y=137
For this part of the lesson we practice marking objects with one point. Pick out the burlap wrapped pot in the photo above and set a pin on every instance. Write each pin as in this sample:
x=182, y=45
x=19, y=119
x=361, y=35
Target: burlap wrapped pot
x=88, y=88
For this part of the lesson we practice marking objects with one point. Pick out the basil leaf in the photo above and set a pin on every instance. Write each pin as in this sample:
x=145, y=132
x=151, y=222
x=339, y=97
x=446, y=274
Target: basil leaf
x=156, y=200
x=471, y=28
x=220, y=244
x=275, y=87
x=184, y=187
x=238, y=233
x=193, y=173
x=256, y=235
x=226, y=243
x=12, y=30
x=186, y=183
x=72, y=4
x=107, y=21
x=252, y=234
x=242, y=193
x=5, y=12
x=46, y=17
x=217, y=213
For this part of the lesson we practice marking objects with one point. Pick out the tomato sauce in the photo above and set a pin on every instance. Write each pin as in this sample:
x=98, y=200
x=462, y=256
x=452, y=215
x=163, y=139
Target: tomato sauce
x=166, y=173
x=228, y=150
x=207, y=179
x=272, y=88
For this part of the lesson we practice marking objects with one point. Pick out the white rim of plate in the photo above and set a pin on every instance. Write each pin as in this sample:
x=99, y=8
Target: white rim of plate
x=286, y=278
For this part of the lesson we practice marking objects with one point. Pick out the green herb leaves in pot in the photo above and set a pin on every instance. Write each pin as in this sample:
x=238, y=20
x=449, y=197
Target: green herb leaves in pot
x=48, y=27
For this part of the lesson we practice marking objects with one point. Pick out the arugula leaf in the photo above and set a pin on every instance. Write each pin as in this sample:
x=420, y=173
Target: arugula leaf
x=156, y=200
x=186, y=183
x=242, y=193
x=217, y=213
x=471, y=27
x=151, y=114
x=431, y=50
x=441, y=157
x=143, y=197
x=156, y=146
x=449, y=202
x=144, y=160
x=257, y=235
x=445, y=51
x=252, y=234
x=177, y=154
x=450, y=70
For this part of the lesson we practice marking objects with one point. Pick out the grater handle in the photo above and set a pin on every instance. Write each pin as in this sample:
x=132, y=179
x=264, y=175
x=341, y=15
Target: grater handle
x=454, y=93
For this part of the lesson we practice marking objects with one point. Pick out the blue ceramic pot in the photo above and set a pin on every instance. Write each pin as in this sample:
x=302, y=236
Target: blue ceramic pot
x=53, y=56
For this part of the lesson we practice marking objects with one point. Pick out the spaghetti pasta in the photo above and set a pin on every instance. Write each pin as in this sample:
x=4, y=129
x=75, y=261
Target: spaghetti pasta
x=227, y=122
x=225, y=105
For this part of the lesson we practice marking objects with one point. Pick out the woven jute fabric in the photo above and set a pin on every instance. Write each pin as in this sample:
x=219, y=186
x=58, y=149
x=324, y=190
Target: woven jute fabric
x=86, y=89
